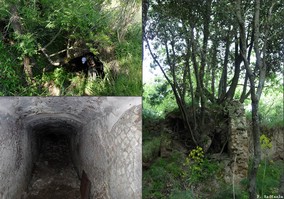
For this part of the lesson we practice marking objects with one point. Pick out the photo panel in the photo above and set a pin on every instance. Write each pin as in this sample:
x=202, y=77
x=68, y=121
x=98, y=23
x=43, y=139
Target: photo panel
x=70, y=48
x=213, y=99
x=70, y=147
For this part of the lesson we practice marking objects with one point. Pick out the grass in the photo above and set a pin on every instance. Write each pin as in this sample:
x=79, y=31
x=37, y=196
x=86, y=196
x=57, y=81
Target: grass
x=182, y=195
x=268, y=177
x=151, y=149
x=171, y=178
x=163, y=177
x=267, y=184
x=163, y=180
x=129, y=55
x=227, y=192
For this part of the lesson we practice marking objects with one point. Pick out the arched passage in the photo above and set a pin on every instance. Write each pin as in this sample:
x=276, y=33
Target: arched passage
x=51, y=139
x=100, y=137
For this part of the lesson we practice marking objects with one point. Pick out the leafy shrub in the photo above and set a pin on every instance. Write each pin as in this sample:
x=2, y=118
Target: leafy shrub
x=9, y=79
x=162, y=179
x=265, y=142
x=198, y=168
x=182, y=194
x=268, y=177
x=50, y=25
x=149, y=115
x=151, y=149
x=227, y=192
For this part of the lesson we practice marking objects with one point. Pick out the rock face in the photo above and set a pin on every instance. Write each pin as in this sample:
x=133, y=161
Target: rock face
x=238, y=144
x=104, y=135
x=277, y=150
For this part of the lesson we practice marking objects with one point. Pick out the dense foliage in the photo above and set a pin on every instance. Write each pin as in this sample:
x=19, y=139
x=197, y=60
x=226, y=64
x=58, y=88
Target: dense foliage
x=199, y=49
x=39, y=37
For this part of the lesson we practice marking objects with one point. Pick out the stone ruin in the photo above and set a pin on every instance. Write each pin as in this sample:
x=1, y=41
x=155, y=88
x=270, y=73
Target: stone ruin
x=238, y=141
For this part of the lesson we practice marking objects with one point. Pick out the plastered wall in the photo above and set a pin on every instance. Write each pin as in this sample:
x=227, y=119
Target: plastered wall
x=105, y=135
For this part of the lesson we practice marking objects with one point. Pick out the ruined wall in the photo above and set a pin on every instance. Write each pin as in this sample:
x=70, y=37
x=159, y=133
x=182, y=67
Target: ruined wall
x=238, y=144
x=14, y=151
x=105, y=134
x=277, y=150
x=276, y=137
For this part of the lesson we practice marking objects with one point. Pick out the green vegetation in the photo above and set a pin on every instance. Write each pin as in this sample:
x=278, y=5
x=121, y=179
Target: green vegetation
x=198, y=168
x=151, y=149
x=178, y=176
x=213, y=57
x=226, y=192
x=44, y=35
x=266, y=184
x=268, y=177
x=164, y=177
x=129, y=55
x=174, y=176
x=158, y=99
x=271, y=107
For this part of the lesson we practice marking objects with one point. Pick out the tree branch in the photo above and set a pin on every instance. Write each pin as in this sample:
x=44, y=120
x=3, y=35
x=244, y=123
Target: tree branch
x=48, y=58
x=52, y=40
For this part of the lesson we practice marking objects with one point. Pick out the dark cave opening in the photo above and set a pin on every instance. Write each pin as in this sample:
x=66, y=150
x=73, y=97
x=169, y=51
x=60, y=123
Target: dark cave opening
x=54, y=175
x=54, y=149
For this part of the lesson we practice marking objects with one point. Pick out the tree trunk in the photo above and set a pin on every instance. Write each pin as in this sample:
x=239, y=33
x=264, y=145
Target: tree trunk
x=206, y=34
x=244, y=92
x=255, y=92
x=256, y=144
x=178, y=92
x=187, y=65
x=213, y=66
x=18, y=29
x=28, y=70
x=224, y=77
x=180, y=104
x=145, y=8
x=231, y=92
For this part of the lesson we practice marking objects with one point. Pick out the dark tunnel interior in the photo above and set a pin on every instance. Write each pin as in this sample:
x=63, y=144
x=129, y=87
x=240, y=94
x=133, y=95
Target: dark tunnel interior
x=70, y=147
x=54, y=149
x=53, y=174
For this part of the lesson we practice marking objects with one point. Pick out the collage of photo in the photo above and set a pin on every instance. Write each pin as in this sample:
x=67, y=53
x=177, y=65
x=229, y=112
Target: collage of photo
x=141, y=99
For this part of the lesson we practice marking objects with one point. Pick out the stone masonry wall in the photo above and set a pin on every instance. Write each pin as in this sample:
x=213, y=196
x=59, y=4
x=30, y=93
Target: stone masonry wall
x=238, y=144
x=276, y=137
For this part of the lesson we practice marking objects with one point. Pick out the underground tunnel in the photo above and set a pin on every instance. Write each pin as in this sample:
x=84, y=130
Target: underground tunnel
x=53, y=170
x=70, y=147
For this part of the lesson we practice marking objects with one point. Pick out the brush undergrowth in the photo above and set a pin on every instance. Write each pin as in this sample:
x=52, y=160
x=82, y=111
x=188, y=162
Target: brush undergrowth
x=128, y=82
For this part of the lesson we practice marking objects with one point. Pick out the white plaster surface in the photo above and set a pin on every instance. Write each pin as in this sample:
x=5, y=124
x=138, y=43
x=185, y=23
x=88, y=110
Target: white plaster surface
x=106, y=141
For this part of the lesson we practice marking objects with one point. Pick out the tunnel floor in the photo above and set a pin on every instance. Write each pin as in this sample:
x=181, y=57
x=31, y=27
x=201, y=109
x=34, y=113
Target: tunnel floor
x=54, y=176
